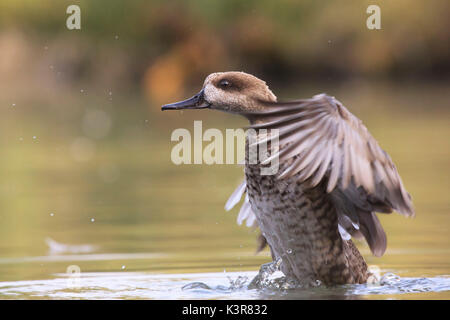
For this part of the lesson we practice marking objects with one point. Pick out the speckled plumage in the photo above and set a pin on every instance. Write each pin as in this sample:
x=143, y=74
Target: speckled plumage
x=300, y=226
x=333, y=177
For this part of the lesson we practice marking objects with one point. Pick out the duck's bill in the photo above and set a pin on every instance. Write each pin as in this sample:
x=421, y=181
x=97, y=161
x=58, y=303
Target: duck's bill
x=196, y=102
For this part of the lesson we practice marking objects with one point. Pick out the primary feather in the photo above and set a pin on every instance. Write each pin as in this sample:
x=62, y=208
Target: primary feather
x=329, y=143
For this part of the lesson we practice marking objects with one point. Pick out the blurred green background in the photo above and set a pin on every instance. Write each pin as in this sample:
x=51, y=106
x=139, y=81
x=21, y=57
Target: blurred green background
x=85, y=150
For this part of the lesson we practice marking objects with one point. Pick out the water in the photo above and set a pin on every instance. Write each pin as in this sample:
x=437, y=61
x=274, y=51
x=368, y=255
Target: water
x=136, y=226
x=233, y=285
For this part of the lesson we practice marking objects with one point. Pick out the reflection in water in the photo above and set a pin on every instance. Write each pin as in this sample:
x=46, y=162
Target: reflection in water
x=60, y=248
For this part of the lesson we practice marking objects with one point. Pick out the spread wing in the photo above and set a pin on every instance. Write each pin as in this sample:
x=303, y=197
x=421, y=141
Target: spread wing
x=330, y=145
x=246, y=212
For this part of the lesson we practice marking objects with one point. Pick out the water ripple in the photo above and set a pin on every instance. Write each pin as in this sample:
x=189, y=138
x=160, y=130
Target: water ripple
x=234, y=285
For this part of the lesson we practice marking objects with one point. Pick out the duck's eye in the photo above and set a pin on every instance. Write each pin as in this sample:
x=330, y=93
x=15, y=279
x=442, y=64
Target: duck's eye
x=224, y=84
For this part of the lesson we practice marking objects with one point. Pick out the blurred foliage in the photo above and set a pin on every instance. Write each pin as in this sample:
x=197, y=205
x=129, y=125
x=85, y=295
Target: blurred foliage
x=173, y=44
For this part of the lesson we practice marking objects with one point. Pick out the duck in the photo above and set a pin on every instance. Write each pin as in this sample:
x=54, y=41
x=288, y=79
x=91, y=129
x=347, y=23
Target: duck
x=332, y=180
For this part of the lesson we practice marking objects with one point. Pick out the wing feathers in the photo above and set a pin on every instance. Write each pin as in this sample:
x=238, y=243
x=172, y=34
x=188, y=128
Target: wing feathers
x=236, y=196
x=245, y=213
x=323, y=141
x=327, y=142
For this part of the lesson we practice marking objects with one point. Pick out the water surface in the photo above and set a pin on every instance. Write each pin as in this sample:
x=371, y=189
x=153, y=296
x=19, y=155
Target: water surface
x=138, y=227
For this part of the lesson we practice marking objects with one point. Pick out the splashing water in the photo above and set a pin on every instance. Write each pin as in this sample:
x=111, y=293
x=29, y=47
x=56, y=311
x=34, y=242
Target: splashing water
x=232, y=285
x=269, y=282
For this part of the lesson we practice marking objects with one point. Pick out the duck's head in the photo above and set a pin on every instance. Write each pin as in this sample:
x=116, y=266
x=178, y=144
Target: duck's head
x=233, y=92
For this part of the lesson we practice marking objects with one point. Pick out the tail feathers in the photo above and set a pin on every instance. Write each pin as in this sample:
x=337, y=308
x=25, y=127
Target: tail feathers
x=373, y=232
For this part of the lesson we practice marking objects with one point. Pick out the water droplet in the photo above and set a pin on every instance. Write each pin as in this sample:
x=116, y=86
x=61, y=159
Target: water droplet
x=13, y=104
x=116, y=37
x=34, y=137
x=92, y=220
x=289, y=251
x=123, y=267
x=82, y=90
